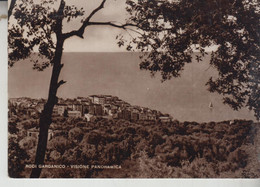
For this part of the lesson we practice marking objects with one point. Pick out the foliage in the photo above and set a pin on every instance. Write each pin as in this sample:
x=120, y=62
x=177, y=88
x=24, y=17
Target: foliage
x=173, y=29
x=16, y=158
x=37, y=24
x=60, y=144
x=12, y=128
x=177, y=149
x=28, y=143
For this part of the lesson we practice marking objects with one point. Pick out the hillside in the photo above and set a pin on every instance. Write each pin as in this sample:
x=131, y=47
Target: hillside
x=136, y=149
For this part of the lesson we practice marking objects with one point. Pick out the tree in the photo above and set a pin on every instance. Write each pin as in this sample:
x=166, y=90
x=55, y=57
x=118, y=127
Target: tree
x=12, y=128
x=39, y=26
x=173, y=29
x=16, y=157
x=169, y=30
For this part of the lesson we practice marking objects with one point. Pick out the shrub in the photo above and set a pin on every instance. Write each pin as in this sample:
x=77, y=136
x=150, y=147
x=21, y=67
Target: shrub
x=76, y=134
x=152, y=168
x=59, y=144
x=28, y=143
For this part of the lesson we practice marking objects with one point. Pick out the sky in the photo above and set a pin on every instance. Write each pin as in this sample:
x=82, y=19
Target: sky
x=96, y=38
x=99, y=38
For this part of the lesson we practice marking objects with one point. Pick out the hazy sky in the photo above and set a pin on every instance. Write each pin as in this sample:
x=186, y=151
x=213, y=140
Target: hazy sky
x=96, y=38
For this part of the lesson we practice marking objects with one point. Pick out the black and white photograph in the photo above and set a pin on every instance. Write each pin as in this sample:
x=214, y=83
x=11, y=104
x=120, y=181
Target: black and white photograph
x=133, y=88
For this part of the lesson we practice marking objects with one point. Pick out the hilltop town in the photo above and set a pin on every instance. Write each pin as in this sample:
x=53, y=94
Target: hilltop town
x=90, y=108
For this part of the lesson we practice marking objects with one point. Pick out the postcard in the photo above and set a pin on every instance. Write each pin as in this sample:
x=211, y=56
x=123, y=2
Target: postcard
x=133, y=89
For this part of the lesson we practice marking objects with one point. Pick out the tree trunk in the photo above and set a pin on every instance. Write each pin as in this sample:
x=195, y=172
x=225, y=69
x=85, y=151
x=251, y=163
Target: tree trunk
x=46, y=116
x=11, y=7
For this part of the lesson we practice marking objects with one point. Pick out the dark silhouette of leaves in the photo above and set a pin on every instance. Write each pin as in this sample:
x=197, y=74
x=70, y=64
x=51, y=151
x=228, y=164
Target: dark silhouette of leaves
x=173, y=29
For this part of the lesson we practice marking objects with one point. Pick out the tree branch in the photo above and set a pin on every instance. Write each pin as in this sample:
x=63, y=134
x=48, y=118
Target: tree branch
x=122, y=26
x=61, y=7
x=58, y=27
x=61, y=82
x=11, y=7
x=95, y=11
x=126, y=25
x=87, y=22
x=81, y=30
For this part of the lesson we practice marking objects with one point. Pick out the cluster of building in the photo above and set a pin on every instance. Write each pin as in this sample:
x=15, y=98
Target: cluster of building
x=89, y=108
x=31, y=106
x=105, y=106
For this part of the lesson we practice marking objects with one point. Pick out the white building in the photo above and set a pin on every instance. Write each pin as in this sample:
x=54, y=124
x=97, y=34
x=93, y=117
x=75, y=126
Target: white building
x=165, y=119
x=61, y=108
x=88, y=117
x=100, y=100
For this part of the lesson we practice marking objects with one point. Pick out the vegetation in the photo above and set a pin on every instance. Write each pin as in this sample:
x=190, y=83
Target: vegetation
x=174, y=149
x=173, y=29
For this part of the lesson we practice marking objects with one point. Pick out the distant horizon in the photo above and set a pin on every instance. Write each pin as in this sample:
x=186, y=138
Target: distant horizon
x=254, y=120
x=117, y=73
